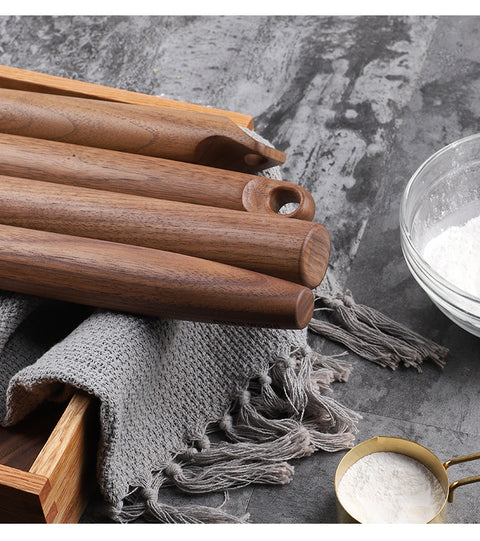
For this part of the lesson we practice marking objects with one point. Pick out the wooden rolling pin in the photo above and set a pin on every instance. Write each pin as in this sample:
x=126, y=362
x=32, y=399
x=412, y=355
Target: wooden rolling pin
x=146, y=281
x=294, y=250
x=89, y=167
x=185, y=136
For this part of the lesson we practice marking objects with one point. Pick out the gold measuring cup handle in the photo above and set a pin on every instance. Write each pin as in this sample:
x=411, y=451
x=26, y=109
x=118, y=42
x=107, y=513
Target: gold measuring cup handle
x=466, y=480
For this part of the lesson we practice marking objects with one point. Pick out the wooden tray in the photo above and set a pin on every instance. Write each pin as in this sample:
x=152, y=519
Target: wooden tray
x=47, y=462
x=39, y=82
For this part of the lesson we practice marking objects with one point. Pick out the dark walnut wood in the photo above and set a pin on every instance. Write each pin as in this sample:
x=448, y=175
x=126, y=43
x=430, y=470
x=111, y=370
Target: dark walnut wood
x=135, y=174
x=147, y=281
x=185, y=136
x=294, y=250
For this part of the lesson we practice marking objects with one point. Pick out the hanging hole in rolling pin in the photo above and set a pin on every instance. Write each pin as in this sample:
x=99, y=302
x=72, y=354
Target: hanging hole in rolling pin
x=148, y=176
x=286, y=201
x=278, y=197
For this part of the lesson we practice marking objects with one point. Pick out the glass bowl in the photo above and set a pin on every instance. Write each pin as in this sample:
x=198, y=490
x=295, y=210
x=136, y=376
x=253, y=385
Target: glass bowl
x=443, y=192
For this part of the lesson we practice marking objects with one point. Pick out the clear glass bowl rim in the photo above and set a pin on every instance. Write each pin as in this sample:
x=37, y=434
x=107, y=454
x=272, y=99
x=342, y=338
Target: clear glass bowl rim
x=405, y=231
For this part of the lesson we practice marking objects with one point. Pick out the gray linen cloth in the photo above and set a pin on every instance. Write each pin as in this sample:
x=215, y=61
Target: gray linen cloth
x=161, y=384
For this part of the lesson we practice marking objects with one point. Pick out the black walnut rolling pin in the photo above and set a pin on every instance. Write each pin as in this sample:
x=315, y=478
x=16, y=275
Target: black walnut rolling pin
x=191, y=137
x=147, y=281
x=101, y=248
x=109, y=170
x=294, y=250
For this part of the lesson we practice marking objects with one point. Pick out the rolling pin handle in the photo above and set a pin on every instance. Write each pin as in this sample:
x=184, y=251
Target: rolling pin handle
x=267, y=195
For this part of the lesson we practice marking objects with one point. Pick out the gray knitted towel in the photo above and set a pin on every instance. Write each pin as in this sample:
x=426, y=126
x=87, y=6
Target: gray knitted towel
x=163, y=386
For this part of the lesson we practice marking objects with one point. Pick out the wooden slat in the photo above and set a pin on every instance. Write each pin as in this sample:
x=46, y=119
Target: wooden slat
x=21, y=443
x=24, y=496
x=20, y=79
x=68, y=460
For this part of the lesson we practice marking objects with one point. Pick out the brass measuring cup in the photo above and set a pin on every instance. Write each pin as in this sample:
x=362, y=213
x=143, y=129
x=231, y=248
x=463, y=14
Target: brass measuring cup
x=413, y=450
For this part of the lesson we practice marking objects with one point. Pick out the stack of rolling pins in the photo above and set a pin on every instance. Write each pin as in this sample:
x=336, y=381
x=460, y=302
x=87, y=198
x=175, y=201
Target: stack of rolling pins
x=152, y=211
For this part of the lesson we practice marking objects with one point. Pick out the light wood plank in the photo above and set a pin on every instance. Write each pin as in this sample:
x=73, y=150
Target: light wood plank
x=24, y=496
x=11, y=77
x=68, y=460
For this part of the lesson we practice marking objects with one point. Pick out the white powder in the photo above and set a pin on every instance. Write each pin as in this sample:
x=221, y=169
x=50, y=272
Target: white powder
x=390, y=488
x=455, y=255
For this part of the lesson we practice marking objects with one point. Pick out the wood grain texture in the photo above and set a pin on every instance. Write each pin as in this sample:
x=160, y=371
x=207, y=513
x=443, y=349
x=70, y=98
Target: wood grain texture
x=21, y=443
x=294, y=250
x=20, y=79
x=56, y=485
x=22, y=497
x=184, y=136
x=68, y=460
x=147, y=281
x=65, y=163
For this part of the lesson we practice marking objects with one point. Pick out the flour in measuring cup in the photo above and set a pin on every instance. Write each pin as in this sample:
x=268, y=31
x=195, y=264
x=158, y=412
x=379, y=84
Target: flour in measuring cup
x=455, y=255
x=387, y=488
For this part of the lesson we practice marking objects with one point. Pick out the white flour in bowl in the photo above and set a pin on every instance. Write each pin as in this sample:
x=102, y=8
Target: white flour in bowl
x=455, y=255
x=388, y=487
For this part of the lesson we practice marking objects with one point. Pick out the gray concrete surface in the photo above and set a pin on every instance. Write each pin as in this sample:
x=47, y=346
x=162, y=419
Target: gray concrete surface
x=357, y=103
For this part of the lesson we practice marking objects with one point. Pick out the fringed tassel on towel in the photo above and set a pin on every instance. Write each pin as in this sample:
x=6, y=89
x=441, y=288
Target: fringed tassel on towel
x=283, y=415
x=372, y=335
x=148, y=507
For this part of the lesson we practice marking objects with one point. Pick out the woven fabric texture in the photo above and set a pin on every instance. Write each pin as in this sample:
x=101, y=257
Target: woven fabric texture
x=160, y=383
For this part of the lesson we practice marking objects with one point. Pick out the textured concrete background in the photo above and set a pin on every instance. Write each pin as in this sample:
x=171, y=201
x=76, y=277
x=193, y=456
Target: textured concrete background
x=357, y=103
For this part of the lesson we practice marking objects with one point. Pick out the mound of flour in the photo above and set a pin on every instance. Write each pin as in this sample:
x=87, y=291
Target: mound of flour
x=387, y=487
x=455, y=255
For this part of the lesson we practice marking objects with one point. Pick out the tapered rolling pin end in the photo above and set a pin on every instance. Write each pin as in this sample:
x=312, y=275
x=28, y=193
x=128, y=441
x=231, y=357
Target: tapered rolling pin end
x=266, y=303
x=315, y=254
